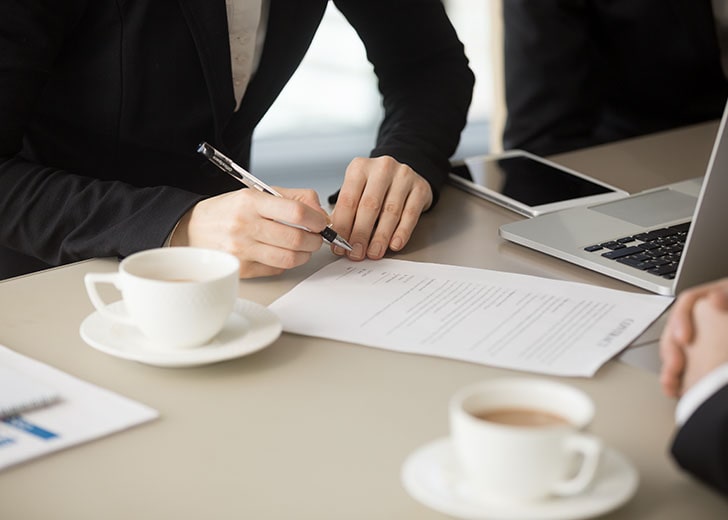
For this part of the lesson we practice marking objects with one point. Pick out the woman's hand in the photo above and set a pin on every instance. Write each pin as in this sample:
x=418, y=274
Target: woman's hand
x=248, y=224
x=379, y=206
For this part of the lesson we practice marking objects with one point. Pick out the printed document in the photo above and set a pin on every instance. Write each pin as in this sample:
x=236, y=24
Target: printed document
x=84, y=412
x=20, y=393
x=495, y=318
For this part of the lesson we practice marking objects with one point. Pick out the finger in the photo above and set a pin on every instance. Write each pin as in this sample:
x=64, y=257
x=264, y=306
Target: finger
x=348, y=201
x=673, y=366
x=284, y=236
x=408, y=196
x=260, y=258
x=365, y=186
x=719, y=299
x=277, y=258
x=681, y=316
x=389, y=217
x=289, y=211
x=418, y=201
x=307, y=196
x=367, y=215
x=252, y=269
x=671, y=373
x=673, y=363
x=680, y=321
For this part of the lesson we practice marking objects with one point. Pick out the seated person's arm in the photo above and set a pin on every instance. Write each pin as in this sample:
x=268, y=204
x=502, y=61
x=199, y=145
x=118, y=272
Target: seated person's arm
x=701, y=443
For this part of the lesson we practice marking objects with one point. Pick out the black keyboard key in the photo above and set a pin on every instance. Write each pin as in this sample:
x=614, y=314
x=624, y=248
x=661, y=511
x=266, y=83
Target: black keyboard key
x=637, y=264
x=664, y=269
x=668, y=241
x=656, y=252
x=677, y=248
x=657, y=233
x=657, y=262
x=641, y=256
x=648, y=245
x=681, y=228
x=624, y=251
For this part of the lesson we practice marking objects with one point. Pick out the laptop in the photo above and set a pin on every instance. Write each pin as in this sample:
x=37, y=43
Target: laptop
x=663, y=240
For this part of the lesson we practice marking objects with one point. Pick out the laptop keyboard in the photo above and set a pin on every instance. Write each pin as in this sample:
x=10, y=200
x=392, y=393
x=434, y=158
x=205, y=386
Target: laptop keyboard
x=657, y=252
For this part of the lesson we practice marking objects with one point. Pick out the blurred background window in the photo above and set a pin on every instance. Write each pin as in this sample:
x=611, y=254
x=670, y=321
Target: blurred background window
x=329, y=111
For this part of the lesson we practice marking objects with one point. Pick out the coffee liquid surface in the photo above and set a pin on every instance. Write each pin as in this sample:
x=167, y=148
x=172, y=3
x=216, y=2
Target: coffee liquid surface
x=522, y=417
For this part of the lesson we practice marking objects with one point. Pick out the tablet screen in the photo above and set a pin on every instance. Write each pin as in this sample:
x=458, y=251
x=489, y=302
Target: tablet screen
x=526, y=180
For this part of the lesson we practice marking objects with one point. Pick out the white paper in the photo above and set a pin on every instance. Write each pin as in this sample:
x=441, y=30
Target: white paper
x=20, y=393
x=494, y=318
x=84, y=412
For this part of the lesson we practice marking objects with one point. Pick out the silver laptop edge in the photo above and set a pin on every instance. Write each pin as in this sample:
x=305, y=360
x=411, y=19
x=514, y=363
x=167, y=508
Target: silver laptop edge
x=705, y=254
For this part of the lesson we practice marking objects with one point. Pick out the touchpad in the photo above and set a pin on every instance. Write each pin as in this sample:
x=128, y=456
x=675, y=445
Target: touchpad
x=650, y=209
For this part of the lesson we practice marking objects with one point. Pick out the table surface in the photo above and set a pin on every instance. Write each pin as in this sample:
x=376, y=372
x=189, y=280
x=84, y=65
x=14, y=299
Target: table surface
x=315, y=429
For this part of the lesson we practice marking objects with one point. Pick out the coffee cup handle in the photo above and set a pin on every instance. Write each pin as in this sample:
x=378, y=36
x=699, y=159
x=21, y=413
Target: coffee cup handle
x=590, y=450
x=90, y=281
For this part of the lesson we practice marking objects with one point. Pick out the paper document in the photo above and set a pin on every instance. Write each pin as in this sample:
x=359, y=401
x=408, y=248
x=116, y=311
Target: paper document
x=494, y=318
x=20, y=393
x=84, y=412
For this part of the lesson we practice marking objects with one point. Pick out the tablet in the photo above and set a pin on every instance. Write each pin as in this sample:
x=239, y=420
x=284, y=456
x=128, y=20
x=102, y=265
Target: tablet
x=528, y=184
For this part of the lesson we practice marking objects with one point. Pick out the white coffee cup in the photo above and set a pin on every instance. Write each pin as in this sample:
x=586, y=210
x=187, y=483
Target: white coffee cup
x=519, y=439
x=178, y=297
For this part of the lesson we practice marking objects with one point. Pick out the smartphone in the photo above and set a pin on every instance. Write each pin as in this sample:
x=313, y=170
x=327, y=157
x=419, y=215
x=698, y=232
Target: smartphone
x=528, y=184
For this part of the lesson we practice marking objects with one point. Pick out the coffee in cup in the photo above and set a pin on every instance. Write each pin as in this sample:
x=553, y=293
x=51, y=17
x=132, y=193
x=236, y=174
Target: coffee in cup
x=526, y=417
x=178, y=297
x=521, y=439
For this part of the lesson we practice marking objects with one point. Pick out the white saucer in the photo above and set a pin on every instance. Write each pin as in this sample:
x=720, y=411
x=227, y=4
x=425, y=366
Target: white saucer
x=249, y=328
x=431, y=476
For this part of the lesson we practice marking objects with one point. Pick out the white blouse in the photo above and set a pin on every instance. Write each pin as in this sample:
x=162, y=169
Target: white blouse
x=247, y=21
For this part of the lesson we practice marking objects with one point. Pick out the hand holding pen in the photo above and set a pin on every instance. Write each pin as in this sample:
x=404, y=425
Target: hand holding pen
x=247, y=224
x=242, y=175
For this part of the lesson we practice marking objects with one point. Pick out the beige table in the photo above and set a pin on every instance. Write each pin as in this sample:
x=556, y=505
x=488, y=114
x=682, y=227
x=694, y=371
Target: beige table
x=316, y=429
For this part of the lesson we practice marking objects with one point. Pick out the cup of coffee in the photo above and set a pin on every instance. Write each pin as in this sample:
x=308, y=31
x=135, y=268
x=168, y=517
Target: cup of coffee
x=178, y=297
x=522, y=439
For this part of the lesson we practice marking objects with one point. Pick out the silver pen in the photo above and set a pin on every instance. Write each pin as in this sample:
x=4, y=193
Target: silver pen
x=251, y=181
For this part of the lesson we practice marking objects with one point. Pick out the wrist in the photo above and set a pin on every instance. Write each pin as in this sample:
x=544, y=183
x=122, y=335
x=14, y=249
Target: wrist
x=180, y=235
x=698, y=393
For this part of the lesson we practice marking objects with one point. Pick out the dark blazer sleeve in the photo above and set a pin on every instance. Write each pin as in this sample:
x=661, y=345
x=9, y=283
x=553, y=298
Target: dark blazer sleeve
x=701, y=445
x=47, y=210
x=424, y=80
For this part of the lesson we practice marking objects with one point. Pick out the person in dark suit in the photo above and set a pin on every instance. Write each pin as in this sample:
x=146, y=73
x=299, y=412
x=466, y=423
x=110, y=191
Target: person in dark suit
x=694, y=352
x=580, y=73
x=103, y=105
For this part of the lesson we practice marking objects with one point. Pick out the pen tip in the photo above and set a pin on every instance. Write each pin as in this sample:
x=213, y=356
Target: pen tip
x=343, y=243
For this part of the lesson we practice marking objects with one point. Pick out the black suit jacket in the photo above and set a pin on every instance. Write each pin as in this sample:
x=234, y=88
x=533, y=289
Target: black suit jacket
x=103, y=103
x=584, y=72
x=701, y=445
